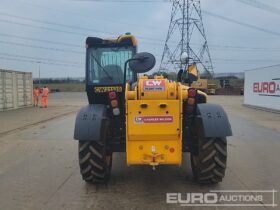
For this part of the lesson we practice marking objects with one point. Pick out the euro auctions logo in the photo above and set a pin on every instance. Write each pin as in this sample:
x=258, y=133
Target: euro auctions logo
x=271, y=88
x=227, y=198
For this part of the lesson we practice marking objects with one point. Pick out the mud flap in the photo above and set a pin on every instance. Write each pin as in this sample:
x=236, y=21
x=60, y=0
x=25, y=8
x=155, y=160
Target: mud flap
x=214, y=120
x=89, y=121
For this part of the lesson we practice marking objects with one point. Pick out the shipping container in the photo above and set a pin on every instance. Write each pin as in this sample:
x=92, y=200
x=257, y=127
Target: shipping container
x=262, y=87
x=15, y=89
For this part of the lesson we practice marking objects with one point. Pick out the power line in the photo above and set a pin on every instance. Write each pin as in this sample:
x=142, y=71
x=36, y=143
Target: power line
x=62, y=50
x=241, y=23
x=40, y=47
x=261, y=5
x=51, y=23
x=105, y=32
x=241, y=63
x=40, y=58
x=242, y=47
x=247, y=60
x=90, y=18
x=41, y=40
x=35, y=60
x=43, y=62
x=264, y=67
x=83, y=15
x=244, y=50
x=56, y=49
x=250, y=2
x=86, y=16
x=126, y=1
x=77, y=52
x=215, y=47
x=42, y=27
x=67, y=32
x=98, y=31
x=236, y=60
x=219, y=47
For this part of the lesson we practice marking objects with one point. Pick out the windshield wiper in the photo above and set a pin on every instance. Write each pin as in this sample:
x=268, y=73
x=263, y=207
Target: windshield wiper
x=107, y=74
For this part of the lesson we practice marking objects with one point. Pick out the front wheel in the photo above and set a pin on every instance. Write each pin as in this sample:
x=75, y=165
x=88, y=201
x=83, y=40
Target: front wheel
x=209, y=161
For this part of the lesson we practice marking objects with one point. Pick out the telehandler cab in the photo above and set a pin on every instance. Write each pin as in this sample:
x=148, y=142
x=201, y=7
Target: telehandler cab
x=153, y=120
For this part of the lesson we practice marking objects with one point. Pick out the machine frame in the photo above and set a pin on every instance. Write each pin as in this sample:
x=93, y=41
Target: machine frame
x=108, y=123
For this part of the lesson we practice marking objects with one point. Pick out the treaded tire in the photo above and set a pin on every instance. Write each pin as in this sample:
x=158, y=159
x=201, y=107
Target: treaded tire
x=209, y=164
x=95, y=163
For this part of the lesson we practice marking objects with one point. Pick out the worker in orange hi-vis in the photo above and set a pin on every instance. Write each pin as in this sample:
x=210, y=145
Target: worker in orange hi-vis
x=45, y=93
x=36, y=93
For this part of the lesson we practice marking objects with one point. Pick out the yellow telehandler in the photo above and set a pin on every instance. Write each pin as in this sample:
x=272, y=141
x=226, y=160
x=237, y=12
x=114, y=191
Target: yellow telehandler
x=152, y=120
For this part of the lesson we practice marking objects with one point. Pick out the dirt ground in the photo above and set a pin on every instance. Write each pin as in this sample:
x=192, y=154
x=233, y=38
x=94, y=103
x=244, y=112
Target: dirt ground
x=60, y=104
x=39, y=162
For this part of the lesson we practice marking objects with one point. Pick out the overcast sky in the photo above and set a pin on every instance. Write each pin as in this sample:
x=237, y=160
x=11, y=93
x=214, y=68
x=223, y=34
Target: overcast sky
x=29, y=30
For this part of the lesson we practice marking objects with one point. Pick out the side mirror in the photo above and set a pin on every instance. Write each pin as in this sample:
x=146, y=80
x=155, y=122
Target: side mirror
x=184, y=58
x=142, y=62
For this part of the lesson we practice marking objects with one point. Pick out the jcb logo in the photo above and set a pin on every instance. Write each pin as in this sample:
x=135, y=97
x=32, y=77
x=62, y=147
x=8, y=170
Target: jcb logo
x=153, y=85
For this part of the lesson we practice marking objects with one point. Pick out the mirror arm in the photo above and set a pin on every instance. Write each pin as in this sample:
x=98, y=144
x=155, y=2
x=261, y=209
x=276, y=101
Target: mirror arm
x=125, y=69
x=124, y=79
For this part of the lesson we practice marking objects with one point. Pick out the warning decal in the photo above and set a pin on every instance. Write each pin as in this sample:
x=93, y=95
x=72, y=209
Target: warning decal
x=153, y=85
x=153, y=119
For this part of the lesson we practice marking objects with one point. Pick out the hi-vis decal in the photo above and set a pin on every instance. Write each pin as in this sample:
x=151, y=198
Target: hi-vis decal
x=107, y=89
x=153, y=119
x=153, y=85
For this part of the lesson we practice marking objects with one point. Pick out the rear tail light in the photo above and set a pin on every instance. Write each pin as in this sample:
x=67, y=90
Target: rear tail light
x=112, y=95
x=113, y=101
x=191, y=101
x=192, y=92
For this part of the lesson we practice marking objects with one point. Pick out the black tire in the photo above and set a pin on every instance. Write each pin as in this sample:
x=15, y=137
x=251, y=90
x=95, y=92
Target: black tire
x=209, y=162
x=95, y=163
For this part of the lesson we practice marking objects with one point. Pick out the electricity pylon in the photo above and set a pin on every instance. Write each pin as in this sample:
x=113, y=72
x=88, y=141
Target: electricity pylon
x=186, y=34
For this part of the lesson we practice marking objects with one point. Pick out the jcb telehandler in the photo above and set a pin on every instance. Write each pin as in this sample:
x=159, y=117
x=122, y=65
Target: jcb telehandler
x=153, y=120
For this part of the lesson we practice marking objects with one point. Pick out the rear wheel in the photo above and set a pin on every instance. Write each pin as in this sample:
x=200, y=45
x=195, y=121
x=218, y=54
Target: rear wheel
x=95, y=162
x=209, y=161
